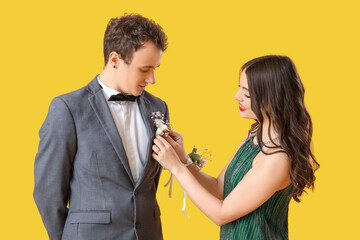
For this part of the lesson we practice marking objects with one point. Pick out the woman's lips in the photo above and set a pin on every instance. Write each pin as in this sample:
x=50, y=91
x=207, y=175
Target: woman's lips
x=241, y=107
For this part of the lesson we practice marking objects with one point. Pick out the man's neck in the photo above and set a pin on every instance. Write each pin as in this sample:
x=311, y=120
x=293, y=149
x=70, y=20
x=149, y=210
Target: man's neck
x=107, y=77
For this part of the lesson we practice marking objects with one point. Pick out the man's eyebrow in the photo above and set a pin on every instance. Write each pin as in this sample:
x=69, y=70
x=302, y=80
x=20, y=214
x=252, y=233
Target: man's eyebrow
x=149, y=66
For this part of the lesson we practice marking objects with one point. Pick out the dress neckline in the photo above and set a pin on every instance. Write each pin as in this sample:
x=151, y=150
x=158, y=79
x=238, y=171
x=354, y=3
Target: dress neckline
x=251, y=141
x=251, y=138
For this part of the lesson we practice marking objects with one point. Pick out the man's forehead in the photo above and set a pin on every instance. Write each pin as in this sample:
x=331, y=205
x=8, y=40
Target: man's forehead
x=147, y=60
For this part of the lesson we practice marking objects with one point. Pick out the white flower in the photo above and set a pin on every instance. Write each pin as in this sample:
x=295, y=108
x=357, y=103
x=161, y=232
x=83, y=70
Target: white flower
x=161, y=127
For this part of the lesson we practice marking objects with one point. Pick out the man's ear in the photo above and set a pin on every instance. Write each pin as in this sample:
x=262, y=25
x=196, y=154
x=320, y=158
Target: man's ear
x=114, y=59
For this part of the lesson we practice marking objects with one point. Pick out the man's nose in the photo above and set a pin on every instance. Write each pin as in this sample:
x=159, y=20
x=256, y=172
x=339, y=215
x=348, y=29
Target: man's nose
x=151, y=78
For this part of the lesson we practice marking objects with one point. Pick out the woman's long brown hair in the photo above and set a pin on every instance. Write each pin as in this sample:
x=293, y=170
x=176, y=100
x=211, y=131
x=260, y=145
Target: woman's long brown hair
x=276, y=90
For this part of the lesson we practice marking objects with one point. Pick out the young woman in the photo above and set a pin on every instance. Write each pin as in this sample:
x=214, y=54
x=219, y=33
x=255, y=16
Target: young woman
x=274, y=163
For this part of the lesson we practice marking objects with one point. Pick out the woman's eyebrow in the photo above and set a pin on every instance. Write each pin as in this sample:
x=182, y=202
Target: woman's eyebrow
x=243, y=87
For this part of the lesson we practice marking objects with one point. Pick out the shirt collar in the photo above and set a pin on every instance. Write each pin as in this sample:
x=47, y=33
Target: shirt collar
x=107, y=91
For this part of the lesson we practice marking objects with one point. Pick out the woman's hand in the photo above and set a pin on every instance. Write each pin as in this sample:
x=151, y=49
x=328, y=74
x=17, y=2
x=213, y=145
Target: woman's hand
x=177, y=143
x=177, y=137
x=165, y=154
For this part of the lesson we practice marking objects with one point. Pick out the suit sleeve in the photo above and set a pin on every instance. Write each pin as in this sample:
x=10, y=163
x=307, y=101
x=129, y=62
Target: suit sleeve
x=53, y=164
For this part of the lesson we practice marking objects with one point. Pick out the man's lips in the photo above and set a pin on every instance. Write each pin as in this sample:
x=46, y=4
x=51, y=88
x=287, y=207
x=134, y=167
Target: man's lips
x=242, y=108
x=143, y=87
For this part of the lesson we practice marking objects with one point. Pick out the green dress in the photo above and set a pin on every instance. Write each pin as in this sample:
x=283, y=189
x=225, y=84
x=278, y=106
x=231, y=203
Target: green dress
x=270, y=220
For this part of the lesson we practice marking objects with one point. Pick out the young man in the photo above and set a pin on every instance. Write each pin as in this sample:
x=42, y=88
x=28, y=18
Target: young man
x=94, y=175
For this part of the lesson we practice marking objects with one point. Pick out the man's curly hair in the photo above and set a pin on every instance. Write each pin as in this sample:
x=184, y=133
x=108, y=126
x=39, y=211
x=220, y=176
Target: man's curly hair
x=127, y=33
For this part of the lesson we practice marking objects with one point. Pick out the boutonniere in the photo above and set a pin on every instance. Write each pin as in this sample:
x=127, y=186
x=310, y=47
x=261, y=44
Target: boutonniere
x=161, y=125
x=199, y=159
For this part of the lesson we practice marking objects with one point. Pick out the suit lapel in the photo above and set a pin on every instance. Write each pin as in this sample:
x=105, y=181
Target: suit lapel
x=101, y=108
x=145, y=110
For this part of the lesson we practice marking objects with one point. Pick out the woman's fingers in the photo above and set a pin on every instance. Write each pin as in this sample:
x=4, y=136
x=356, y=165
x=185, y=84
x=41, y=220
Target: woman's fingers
x=174, y=134
x=166, y=155
x=160, y=150
x=159, y=143
x=155, y=148
x=156, y=157
x=177, y=137
x=171, y=141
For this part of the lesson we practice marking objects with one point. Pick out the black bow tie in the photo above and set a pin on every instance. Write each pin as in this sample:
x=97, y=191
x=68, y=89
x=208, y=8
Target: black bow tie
x=123, y=97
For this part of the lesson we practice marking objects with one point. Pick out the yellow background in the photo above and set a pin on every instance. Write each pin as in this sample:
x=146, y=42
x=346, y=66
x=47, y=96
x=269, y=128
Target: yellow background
x=52, y=47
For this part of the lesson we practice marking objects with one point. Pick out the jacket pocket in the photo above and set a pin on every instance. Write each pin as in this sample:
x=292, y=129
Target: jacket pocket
x=95, y=217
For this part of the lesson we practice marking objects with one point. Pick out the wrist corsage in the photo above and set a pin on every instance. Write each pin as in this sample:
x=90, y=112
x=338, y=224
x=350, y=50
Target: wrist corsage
x=199, y=159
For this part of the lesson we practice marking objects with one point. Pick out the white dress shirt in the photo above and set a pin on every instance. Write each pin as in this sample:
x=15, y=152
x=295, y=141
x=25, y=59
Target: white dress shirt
x=132, y=130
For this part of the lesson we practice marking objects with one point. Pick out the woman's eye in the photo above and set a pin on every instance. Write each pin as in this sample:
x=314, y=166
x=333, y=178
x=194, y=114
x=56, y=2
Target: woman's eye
x=142, y=70
x=247, y=96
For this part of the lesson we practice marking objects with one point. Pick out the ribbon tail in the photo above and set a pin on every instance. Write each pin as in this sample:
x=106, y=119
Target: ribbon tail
x=171, y=183
x=184, y=204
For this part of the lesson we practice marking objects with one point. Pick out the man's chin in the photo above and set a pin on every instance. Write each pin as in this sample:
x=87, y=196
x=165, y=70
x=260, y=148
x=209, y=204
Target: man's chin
x=140, y=92
x=137, y=94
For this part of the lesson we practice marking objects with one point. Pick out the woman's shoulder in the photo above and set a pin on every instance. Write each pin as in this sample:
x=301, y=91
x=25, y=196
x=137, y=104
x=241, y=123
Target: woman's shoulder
x=274, y=156
x=276, y=165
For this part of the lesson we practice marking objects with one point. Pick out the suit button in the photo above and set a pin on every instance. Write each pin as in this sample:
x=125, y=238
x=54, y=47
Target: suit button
x=137, y=225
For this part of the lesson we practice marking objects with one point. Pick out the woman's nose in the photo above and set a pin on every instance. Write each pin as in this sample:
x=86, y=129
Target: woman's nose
x=238, y=96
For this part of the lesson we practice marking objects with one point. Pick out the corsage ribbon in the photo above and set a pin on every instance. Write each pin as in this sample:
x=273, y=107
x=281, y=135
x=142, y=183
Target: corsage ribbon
x=199, y=161
x=170, y=183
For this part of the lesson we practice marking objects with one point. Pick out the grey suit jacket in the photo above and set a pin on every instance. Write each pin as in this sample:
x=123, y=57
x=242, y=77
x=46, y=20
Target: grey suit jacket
x=83, y=184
